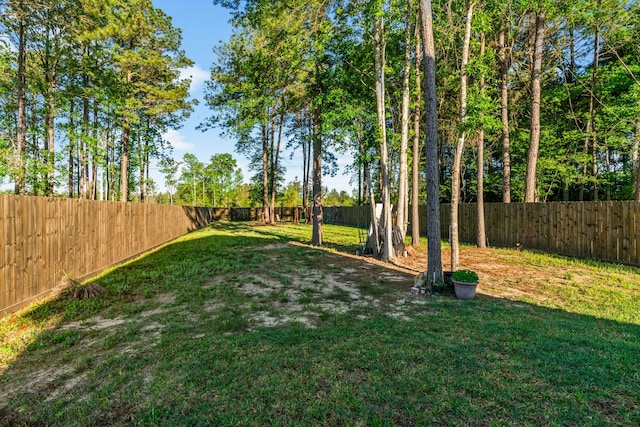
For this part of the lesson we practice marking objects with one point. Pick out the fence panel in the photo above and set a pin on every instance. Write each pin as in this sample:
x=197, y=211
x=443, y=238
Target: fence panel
x=607, y=231
x=45, y=238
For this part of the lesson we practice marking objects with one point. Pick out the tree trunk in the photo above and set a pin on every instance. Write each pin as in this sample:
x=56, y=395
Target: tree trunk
x=84, y=144
x=143, y=147
x=569, y=78
x=72, y=143
x=635, y=161
x=592, y=112
x=504, y=59
x=366, y=184
x=482, y=236
x=265, y=174
x=274, y=183
x=306, y=160
x=434, y=255
x=94, y=153
x=51, y=135
x=124, y=161
x=534, y=139
x=415, y=178
x=457, y=159
x=403, y=178
x=374, y=220
x=379, y=65
x=316, y=235
x=21, y=135
x=272, y=172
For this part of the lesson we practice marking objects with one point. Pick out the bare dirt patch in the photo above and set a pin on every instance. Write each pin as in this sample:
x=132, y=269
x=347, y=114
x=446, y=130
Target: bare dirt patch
x=508, y=273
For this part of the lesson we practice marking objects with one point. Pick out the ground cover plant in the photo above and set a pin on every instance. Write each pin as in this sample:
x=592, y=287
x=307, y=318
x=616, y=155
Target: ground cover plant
x=239, y=324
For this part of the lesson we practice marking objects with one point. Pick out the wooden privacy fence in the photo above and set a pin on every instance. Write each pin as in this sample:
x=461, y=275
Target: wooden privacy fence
x=607, y=231
x=43, y=239
x=255, y=214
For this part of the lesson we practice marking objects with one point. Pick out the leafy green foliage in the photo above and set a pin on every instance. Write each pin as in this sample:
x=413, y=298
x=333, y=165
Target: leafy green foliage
x=466, y=276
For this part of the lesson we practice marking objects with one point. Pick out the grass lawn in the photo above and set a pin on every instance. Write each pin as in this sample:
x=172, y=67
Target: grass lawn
x=238, y=324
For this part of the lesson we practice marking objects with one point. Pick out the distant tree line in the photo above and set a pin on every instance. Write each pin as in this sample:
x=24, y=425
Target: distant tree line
x=220, y=183
x=87, y=89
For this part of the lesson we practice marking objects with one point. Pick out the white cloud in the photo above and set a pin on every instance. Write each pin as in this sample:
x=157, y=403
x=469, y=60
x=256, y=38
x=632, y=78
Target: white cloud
x=177, y=140
x=197, y=75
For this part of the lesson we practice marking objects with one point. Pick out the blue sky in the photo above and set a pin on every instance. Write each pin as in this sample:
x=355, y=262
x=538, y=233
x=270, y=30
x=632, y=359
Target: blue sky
x=203, y=26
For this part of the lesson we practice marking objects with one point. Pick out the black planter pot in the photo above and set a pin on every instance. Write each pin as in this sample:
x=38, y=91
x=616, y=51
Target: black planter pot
x=447, y=277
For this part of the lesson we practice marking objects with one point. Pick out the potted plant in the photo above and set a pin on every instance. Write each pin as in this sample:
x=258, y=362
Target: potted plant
x=465, y=282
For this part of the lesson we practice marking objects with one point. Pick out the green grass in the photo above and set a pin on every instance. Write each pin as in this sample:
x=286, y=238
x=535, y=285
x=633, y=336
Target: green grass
x=187, y=346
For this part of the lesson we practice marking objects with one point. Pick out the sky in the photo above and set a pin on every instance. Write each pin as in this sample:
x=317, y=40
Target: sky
x=204, y=26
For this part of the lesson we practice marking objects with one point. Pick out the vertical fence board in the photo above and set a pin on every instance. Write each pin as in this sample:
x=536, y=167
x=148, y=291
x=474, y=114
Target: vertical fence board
x=4, y=252
x=21, y=253
x=624, y=238
x=636, y=240
x=11, y=249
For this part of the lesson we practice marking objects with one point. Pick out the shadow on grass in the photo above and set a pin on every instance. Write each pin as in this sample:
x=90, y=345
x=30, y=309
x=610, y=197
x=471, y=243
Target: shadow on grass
x=357, y=236
x=486, y=361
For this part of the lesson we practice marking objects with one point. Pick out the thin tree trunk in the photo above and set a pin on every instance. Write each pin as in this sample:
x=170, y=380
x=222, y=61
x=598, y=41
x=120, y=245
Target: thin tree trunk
x=276, y=154
x=265, y=174
x=592, y=112
x=72, y=144
x=457, y=160
x=635, y=161
x=572, y=56
x=585, y=164
x=84, y=158
x=94, y=153
x=305, y=167
x=482, y=236
x=379, y=64
x=50, y=143
x=366, y=185
x=534, y=139
x=504, y=59
x=272, y=163
x=21, y=135
x=374, y=219
x=360, y=184
x=434, y=255
x=143, y=148
x=124, y=161
x=415, y=178
x=316, y=235
x=403, y=178
x=360, y=162
x=146, y=176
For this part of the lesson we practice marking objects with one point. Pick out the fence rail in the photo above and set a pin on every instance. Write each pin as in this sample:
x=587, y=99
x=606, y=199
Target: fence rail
x=607, y=231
